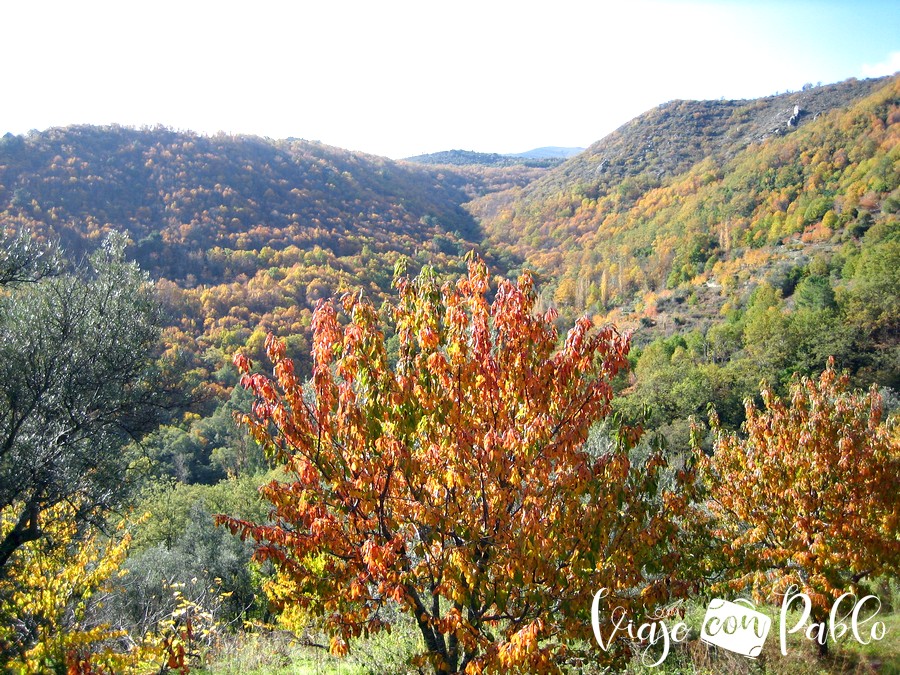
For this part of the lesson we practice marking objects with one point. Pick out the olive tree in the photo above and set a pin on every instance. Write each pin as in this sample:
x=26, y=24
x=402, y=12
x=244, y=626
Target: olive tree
x=76, y=381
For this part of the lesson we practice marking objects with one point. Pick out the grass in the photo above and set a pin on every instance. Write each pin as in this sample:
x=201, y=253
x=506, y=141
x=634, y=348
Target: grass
x=274, y=654
x=278, y=654
x=883, y=656
x=845, y=657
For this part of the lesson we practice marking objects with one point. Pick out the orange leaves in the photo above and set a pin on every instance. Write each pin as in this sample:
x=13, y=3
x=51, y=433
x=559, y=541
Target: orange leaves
x=523, y=650
x=241, y=362
x=275, y=348
x=428, y=338
x=374, y=557
x=453, y=481
x=338, y=646
x=811, y=494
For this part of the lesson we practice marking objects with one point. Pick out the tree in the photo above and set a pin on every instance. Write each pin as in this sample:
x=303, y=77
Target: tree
x=76, y=383
x=54, y=606
x=22, y=260
x=809, y=497
x=814, y=293
x=455, y=483
x=871, y=301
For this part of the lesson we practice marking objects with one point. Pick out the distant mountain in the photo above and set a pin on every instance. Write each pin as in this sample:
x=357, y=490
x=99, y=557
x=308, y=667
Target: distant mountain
x=538, y=158
x=464, y=158
x=189, y=202
x=674, y=136
x=242, y=234
x=549, y=152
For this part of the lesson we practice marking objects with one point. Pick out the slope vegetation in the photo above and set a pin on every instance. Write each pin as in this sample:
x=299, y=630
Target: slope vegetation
x=192, y=203
x=675, y=192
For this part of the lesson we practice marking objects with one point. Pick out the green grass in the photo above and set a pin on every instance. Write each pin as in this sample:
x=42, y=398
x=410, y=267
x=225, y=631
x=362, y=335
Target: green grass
x=278, y=653
x=883, y=655
x=274, y=654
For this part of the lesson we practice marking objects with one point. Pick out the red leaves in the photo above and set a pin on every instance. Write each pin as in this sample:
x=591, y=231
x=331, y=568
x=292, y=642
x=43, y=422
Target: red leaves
x=275, y=348
x=326, y=334
x=242, y=363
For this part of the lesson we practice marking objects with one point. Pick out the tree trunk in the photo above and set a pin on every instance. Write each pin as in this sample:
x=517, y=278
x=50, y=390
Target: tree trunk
x=26, y=529
x=434, y=641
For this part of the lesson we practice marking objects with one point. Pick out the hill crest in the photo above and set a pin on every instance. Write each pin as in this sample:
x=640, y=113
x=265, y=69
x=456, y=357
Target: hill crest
x=672, y=137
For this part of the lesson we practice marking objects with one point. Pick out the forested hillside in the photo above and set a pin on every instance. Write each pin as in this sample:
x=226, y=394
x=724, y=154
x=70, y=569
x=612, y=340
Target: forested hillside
x=241, y=233
x=668, y=225
x=745, y=243
x=673, y=137
x=190, y=202
x=653, y=226
x=741, y=246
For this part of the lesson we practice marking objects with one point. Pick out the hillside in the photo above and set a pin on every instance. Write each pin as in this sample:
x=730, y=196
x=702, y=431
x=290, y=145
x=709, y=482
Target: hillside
x=757, y=261
x=649, y=220
x=190, y=202
x=667, y=225
x=242, y=234
x=674, y=136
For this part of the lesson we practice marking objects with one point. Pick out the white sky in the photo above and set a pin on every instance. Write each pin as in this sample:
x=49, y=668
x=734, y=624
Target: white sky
x=401, y=78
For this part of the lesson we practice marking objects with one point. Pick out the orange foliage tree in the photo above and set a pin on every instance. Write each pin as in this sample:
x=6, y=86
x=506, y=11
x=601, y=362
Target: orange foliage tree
x=810, y=497
x=455, y=482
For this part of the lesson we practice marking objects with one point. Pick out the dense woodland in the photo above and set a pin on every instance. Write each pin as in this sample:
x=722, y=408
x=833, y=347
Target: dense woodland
x=736, y=246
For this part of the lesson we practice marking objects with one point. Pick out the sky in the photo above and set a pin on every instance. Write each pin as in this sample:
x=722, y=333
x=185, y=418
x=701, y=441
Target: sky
x=398, y=78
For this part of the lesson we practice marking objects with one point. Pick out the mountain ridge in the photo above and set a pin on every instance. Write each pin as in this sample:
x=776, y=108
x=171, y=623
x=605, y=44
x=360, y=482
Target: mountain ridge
x=235, y=192
x=731, y=219
x=712, y=128
x=547, y=152
x=539, y=158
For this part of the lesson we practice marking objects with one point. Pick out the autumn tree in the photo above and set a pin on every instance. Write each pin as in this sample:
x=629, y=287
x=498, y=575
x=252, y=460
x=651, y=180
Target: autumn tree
x=808, y=497
x=455, y=482
x=55, y=599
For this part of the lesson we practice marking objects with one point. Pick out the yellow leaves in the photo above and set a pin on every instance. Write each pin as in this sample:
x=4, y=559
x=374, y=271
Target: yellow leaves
x=462, y=463
x=450, y=479
x=174, y=642
x=49, y=584
x=456, y=350
x=338, y=646
x=522, y=649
